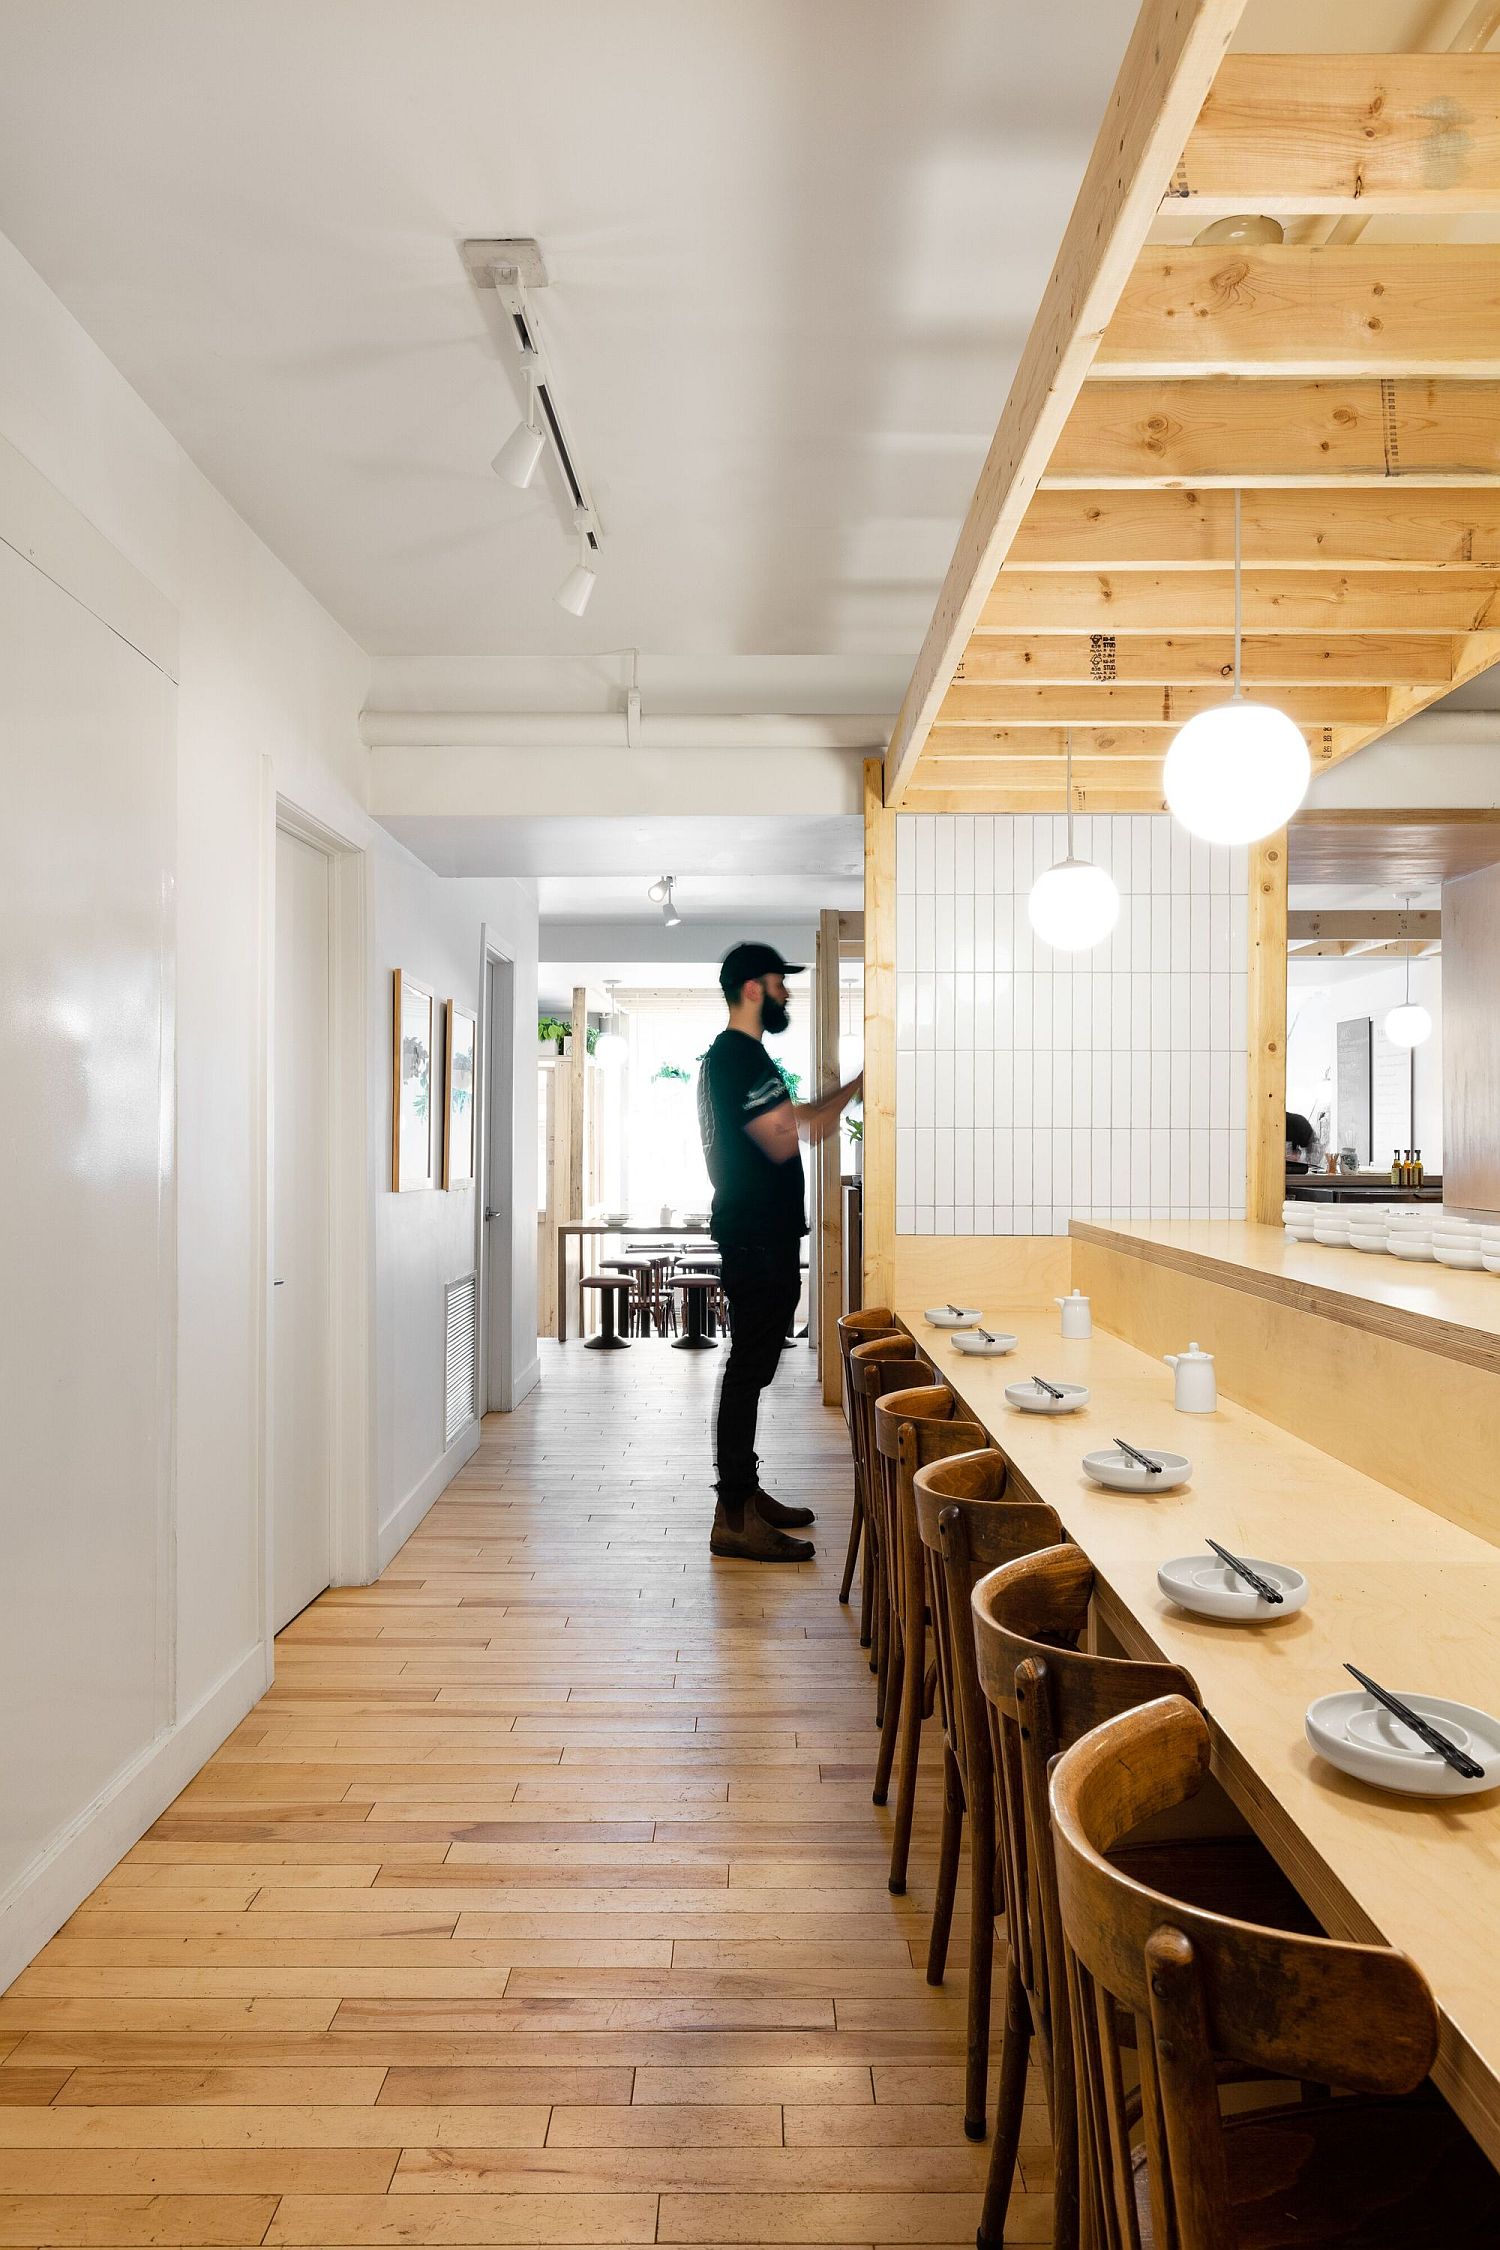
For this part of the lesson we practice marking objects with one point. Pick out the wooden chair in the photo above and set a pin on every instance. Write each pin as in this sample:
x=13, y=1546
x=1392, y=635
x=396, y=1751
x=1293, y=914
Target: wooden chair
x=859, y=1328
x=968, y=1525
x=912, y=1428
x=1203, y=1991
x=885, y=1363
x=1044, y=1693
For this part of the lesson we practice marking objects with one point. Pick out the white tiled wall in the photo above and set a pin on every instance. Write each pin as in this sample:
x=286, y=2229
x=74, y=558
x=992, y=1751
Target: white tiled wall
x=1033, y=1087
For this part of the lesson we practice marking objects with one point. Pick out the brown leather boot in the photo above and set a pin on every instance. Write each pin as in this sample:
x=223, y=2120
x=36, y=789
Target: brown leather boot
x=776, y=1512
x=755, y=1540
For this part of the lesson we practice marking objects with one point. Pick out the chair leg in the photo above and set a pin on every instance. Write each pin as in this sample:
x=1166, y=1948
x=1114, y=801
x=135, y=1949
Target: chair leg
x=981, y=1963
x=890, y=1719
x=882, y=1664
x=866, y=1590
x=947, y=1867
x=914, y=1639
x=1010, y=2100
x=856, y=1526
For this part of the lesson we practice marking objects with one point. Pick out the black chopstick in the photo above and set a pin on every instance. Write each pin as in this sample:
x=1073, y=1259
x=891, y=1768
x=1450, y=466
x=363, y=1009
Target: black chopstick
x=1136, y=1455
x=1458, y=1759
x=985, y=1334
x=1262, y=1586
x=1051, y=1389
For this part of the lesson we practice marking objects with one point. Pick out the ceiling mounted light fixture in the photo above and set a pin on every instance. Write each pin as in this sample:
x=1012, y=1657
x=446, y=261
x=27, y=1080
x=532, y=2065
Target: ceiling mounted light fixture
x=517, y=459
x=660, y=895
x=611, y=1047
x=1239, y=771
x=1409, y=1024
x=512, y=266
x=576, y=590
x=1075, y=904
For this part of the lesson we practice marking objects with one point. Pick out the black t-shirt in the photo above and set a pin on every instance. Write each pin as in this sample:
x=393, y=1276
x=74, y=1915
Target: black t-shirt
x=754, y=1199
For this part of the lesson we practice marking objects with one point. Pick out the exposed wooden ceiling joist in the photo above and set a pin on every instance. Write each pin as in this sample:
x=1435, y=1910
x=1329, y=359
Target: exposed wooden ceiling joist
x=1349, y=389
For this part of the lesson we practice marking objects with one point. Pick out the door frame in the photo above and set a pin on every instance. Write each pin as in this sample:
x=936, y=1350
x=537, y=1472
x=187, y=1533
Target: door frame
x=497, y=980
x=352, y=1528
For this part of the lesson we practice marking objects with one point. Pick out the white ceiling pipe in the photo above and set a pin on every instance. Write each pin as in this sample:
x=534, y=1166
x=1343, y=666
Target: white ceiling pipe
x=608, y=730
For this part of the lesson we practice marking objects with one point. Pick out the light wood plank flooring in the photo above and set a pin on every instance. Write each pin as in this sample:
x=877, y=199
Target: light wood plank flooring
x=541, y=1901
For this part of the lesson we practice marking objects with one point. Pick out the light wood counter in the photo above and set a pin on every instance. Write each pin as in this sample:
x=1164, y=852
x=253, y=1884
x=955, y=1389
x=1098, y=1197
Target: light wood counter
x=1406, y=1595
x=1390, y=1367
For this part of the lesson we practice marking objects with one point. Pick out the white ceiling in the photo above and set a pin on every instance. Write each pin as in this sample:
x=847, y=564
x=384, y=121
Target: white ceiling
x=795, y=247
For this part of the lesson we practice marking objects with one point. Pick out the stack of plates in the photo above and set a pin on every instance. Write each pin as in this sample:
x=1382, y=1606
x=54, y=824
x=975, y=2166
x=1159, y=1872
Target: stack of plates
x=1489, y=1248
x=1408, y=1232
x=1331, y=1224
x=1456, y=1242
x=1297, y=1218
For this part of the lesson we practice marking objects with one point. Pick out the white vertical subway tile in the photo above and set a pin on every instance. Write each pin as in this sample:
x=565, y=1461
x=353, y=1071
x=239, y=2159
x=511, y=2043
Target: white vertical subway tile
x=984, y=854
x=906, y=1089
x=984, y=1010
x=906, y=934
x=963, y=1085
x=906, y=1164
x=1200, y=948
x=906, y=1219
x=924, y=1097
x=922, y=825
x=924, y=916
x=984, y=930
x=963, y=1165
x=942, y=1164
x=942, y=959
x=963, y=852
x=942, y=868
x=906, y=856
x=926, y=1012
x=984, y=1166
x=924, y=1137
x=942, y=1087
x=1218, y=930
x=963, y=930
x=906, y=1012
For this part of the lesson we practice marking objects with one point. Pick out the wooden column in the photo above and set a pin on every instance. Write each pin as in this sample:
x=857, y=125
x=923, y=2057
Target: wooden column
x=1265, y=1121
x=880, y=1041
x=827, y=1214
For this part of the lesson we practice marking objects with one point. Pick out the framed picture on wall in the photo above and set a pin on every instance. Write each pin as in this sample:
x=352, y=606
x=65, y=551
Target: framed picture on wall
x=460, y=1049
x=413, y=1016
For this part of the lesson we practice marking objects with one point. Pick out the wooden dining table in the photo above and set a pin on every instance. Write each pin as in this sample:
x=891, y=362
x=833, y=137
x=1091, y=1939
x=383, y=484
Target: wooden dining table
x=1409, y=1597
x=579, y=1230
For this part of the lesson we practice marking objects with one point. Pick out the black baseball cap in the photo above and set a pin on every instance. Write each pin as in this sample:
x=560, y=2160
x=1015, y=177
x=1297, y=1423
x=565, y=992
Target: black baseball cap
x=752, y=959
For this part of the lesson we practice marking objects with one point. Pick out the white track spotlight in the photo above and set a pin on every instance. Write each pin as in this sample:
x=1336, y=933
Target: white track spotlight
x=574, y=592
x=660, y=895
x=1074, y=904
x=1238, y=771
x=517, y=459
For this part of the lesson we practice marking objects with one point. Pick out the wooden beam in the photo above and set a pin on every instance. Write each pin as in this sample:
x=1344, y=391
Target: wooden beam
x=1166, y=72
x=879, y=1199
x=1092, y=705
x=1265, y=1121
x=1287, y=601
x=827, y=1162
x=1430, y=435
x=1305, y=134
x=1360, y=922
x=1307, y=309
x=1302, y=659
x=1017, y=798
x=1394, y=528
x=948, y=746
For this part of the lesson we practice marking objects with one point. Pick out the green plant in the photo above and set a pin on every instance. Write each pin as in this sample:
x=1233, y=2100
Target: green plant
x=672, y=1071
x=791, y=1079
x=557, y=1028
x=854, y=1124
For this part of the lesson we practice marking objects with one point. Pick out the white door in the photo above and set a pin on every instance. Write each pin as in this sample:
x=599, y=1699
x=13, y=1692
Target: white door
x=496, y=1257
x=300, y=1297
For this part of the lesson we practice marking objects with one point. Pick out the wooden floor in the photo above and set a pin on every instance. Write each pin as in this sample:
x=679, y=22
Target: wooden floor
x=541, y=1901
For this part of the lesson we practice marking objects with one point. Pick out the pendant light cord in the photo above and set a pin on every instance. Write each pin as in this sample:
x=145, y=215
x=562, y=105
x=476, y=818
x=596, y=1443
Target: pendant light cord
x=1238, y=599
x=1068, y=784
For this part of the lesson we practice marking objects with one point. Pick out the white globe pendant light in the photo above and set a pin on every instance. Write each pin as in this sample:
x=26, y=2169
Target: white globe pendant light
x=1074, y=904
x=1239, y=771
x=1409, y=1024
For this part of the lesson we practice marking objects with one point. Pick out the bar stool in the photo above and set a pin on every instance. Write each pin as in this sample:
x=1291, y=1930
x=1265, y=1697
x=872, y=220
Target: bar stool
x=614, y=1291
x=1044, y=1694
x=1209, y=1996
x=637, y=1271
x=969, y=1524
x=912, y=1428
x=697, y=1291
x=859, y=1328
x=885, y=1363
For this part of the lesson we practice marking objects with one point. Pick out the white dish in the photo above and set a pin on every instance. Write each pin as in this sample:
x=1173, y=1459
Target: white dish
x=1030, y=1400
x=1490, y=1260
x=1369, y=1242
x=1358, y=1735
x=1118, y=1473
x=944, y=1316
x=1210, y=1588
x=994, y=1346
x=1460, y=1256
x=1412, y=1252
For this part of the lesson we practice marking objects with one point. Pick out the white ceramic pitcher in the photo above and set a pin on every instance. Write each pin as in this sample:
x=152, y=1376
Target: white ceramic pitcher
x=1077, y=1314
x=1197, y=1388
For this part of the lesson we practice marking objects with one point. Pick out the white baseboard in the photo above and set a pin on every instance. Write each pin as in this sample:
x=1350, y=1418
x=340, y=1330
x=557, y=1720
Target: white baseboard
x=77, y=1861
x=526, y=1381
x=398, y=1528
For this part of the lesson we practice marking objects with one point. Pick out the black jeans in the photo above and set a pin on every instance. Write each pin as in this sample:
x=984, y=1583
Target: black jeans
x=762, y=1281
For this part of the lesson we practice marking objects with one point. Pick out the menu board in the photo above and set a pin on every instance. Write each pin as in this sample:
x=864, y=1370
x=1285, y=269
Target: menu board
x=1353, y=1119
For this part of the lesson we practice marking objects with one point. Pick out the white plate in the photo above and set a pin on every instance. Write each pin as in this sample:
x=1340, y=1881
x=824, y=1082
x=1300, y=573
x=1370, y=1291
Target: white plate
x=1460, y=1256
x=1030, y=1400
x=1357, y=1734
x=941, y=1316
x=1491, y=1260
x=1412, y=1252
x=1203, y=1584
x=978, y=1347
x=1369, y=1242
x=1119, y=1473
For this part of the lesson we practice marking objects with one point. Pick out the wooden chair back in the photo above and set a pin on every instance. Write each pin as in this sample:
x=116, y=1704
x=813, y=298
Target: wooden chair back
x=1204, y=1990
x=881, y=1364
x=913, y=1428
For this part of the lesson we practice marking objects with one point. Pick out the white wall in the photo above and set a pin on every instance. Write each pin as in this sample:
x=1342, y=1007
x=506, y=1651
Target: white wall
x=267, y=704
x=1034, y=1086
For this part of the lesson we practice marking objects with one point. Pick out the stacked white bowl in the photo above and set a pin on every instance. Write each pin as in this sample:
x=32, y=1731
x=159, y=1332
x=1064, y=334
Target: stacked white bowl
x=1297, y=1218
x=1331, y=1224
x=1408, y=1232
x=1456, y=1242
x=1489, y=1248
x=1369, y=1226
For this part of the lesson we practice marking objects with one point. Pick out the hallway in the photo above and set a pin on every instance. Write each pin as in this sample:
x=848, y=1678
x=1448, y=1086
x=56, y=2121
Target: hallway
x=541, y=1900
